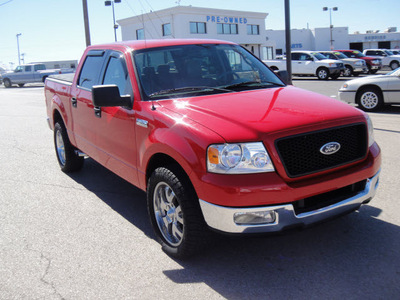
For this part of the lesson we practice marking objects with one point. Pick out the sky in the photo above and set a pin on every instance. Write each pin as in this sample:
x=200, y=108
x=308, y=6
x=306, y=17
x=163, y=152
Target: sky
x=54, y=29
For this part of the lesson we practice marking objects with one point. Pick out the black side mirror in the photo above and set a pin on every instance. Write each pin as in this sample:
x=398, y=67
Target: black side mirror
x=283, y=75
x=108, y=96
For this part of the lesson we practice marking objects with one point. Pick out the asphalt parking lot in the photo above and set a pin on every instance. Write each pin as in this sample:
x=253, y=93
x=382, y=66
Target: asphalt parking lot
x=87, y=236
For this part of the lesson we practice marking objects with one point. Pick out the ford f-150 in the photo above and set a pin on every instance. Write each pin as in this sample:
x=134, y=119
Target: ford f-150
x=214, y=137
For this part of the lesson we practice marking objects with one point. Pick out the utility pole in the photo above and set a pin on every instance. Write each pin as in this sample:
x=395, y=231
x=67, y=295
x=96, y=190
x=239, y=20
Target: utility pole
x=19, y=56
x=288, y=41
x=86, y=21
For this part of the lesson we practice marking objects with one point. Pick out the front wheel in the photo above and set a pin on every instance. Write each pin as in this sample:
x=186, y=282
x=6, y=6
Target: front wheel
x=68, y=159
x=370, y=99
x=323, y=74
x=348, y=71
x=175, y=212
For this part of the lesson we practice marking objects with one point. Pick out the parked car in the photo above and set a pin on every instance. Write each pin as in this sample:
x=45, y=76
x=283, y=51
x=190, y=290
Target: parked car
x=374, y=64
x=395, y=51
x=309, y=63
x=30, y=73
x=214, y=137
x=372, y=92
x=388, y=58
x=352, y=66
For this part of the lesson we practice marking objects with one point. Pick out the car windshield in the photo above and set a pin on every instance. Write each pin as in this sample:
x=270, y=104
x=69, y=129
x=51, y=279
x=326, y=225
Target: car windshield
x=340, y=55
x=319, y=56
x=354, y=54
x=199, y=69
x=395, y=72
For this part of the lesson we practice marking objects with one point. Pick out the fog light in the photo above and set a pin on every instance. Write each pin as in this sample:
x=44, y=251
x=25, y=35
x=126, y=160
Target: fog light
x=254, y=218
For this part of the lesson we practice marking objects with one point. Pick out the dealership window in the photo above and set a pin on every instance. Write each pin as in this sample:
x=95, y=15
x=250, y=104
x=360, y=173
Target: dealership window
x=198, y=27
x=253, y=29
x=166, y=29
x=226, y=28
x=140, y=34
x=268, y=53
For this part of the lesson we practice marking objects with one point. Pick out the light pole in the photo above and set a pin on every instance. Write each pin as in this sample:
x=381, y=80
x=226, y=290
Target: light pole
x=111, y=3
x=330, y=20
x=19, y=57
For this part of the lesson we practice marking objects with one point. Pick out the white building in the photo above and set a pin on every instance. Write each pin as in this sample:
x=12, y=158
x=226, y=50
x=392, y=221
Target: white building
x=244, y=28
x=248, y=30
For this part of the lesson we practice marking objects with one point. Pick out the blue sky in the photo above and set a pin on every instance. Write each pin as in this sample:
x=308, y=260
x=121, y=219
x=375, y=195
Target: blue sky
x=54, y=30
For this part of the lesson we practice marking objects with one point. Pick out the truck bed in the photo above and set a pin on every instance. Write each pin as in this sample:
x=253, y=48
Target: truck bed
x=67, y=78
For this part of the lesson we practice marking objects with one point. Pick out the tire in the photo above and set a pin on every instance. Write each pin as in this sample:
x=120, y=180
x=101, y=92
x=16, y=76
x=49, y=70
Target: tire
x=370, y=99
x=21, y=84
x=394, y=64
x=348, y=71
x=175, y=213
x=323, y=74
x=356, y=74
x=68, y=159
x=7, y=83
x=373, y=71
x=335, y=76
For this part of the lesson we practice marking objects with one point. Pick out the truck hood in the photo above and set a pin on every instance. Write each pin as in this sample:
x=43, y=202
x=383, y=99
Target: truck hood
x=250, y=115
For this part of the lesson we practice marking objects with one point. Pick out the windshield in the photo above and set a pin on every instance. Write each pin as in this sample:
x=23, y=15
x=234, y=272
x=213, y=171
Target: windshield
x=318, y=56
x=395, y=72
x=340, y=55
x=190, y=70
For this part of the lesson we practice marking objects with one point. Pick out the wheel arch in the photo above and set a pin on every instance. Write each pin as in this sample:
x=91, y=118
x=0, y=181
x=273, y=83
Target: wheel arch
x=368, y=86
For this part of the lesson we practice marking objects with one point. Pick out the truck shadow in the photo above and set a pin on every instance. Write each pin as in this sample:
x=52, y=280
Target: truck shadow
x=355, y=256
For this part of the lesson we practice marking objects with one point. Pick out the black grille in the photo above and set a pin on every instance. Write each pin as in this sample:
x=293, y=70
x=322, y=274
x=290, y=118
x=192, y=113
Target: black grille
x=301, y=155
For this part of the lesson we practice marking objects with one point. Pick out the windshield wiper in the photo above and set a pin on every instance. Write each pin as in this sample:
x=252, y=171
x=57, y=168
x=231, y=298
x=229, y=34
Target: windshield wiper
x=249, y=83
x=189, y=89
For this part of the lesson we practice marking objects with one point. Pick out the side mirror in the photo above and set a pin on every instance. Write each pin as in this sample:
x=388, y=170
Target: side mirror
x=283, y=75
x=108, y=96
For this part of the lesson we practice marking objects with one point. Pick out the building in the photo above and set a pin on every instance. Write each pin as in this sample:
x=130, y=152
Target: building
x=248, y=30
x=244, y=28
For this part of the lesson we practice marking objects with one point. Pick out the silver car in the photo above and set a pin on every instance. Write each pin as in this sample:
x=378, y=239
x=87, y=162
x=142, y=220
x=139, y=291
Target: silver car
x=353, y=66
x=372, y=92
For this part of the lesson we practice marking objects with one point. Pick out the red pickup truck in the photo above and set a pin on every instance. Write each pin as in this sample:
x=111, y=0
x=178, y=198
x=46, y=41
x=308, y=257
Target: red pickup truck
x=214, y=137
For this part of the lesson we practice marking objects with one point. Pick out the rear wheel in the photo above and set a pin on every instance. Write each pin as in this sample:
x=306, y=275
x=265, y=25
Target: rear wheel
x=7, y=82
x=68, y=159
x=175, y=212
x=394, y=65
x=21, y=84
x=370, y=99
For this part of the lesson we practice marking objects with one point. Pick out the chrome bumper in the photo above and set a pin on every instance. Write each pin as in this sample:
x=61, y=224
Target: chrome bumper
x=222, y=218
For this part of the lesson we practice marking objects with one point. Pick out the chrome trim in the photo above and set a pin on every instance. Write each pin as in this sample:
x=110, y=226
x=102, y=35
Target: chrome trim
x=221, y=218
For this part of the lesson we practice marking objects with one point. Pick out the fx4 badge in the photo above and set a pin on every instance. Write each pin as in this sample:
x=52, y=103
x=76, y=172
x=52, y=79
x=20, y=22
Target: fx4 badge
x=330, y=148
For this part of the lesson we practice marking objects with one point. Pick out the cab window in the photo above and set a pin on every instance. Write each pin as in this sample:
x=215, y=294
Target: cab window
x=116, y=74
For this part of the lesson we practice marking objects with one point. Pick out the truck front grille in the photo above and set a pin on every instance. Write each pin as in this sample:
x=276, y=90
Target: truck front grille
x=301, y=155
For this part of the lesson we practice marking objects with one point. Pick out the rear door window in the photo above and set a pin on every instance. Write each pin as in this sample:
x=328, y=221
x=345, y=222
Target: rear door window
x=91, y=69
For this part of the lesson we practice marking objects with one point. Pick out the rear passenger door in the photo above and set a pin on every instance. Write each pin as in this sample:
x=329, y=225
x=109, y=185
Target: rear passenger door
x=82, y=108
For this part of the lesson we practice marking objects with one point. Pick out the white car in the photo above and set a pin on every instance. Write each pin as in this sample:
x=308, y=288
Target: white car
x=372, y=92
x=388, y=58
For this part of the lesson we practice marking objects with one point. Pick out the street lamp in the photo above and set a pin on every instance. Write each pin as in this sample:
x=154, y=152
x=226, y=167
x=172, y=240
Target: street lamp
x=330, y=20
x=19, y=57
x=111, y=3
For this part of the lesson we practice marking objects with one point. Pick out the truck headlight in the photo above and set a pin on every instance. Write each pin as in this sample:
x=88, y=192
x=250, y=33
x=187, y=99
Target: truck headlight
x=238, y=158
x=359, y=63
x=371, y=138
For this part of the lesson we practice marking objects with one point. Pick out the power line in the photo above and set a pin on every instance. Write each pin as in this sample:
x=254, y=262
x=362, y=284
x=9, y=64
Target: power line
x=5, y=2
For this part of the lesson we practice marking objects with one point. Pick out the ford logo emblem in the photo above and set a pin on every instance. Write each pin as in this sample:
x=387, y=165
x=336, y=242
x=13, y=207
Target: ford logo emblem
x=330, y=148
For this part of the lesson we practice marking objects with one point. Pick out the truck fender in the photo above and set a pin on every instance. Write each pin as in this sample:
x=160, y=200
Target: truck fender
x=174, y=148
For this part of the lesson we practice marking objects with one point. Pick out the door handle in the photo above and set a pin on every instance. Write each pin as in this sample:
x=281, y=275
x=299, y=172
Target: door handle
x=74, y=102
x=97, y=111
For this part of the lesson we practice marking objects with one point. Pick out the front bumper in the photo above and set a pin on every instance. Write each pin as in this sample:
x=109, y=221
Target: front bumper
x=347, y=96
x=335, y=70
x=222, y=218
